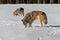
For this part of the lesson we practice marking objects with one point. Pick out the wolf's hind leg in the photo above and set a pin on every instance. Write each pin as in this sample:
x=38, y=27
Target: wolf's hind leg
x=41, y=25
x=44, y=23
x=40, y=19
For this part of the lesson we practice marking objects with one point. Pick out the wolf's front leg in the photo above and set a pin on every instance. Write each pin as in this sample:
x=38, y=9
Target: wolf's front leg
x=23, y=14
x=25, y=26
x=30, y=24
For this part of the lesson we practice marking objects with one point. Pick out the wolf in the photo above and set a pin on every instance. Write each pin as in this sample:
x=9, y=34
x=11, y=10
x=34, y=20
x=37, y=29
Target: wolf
x=31, y=16
x=19, y=11
x=27, y=19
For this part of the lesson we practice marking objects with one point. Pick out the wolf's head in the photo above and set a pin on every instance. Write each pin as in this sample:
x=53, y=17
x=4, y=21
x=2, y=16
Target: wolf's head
x=24, y=22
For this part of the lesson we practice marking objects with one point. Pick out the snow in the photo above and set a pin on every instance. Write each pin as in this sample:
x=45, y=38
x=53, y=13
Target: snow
x=12, y=28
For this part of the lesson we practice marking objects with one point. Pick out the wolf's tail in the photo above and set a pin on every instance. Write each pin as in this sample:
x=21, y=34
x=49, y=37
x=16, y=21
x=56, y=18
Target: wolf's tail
x=45, y=17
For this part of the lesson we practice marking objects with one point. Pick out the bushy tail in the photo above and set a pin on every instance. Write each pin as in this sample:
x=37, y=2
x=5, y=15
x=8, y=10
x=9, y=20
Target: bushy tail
x=45, y=17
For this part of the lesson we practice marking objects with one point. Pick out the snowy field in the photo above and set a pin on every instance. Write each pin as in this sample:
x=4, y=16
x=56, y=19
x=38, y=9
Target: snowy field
x=12, y=28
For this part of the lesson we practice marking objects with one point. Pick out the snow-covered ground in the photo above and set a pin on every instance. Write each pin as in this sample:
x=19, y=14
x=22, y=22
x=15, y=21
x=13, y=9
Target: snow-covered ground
x=12, y=28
